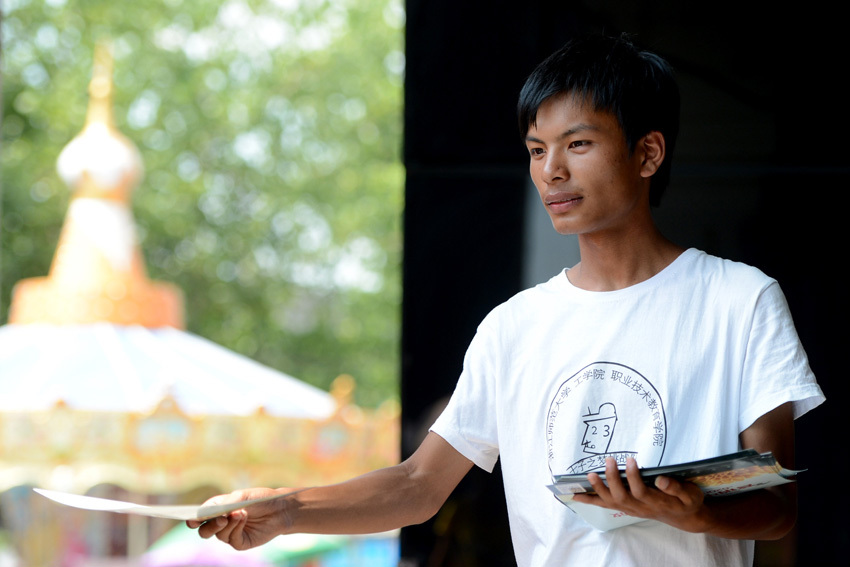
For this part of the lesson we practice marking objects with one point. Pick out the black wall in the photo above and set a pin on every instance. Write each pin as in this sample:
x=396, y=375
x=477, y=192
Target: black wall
x=759, y=176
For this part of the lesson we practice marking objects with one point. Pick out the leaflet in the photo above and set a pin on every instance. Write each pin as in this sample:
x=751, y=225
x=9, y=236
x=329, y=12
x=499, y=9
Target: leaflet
x=181, y=512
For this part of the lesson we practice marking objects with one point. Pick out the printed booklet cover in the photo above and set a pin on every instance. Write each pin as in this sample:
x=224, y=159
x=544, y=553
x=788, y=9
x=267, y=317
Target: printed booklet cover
x=719, y=476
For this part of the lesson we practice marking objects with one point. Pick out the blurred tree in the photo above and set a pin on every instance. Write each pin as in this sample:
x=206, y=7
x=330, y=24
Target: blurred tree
x=271, y=134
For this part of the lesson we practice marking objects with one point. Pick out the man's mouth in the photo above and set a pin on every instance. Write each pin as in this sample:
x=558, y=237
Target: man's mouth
x=562, y=200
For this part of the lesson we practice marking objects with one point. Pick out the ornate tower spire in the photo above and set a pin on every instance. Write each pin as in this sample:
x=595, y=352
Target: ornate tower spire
x=98, y=273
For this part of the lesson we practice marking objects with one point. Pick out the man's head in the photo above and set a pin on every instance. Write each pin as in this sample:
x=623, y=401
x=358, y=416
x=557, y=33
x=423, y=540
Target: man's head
x=636, y=87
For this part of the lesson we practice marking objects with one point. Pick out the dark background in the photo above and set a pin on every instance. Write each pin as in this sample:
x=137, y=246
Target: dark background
x=759, y=176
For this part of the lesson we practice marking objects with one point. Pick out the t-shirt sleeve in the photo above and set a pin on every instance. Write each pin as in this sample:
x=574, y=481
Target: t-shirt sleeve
x=469, y=422
x=776, y=368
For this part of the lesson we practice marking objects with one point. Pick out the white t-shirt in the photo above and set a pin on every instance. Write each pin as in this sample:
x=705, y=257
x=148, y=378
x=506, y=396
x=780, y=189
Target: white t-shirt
x=669, y=370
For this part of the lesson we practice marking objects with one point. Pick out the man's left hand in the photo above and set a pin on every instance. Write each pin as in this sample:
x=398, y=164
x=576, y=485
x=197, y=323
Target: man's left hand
x=676, y=503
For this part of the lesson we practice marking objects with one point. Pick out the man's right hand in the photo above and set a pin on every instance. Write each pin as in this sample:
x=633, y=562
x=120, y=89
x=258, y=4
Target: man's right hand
x=243, y=529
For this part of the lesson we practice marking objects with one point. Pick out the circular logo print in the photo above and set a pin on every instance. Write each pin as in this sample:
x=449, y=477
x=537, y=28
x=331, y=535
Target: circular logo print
x=604, y=410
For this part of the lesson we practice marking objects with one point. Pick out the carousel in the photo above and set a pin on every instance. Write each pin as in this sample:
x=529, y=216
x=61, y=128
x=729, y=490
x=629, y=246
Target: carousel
x=102, y=392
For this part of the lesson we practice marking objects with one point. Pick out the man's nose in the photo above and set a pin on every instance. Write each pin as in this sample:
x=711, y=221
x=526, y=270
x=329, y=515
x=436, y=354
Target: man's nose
x=555, y=169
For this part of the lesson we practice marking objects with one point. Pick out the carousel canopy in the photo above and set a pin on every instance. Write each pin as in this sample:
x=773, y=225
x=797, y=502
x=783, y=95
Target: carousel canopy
x=105, y=367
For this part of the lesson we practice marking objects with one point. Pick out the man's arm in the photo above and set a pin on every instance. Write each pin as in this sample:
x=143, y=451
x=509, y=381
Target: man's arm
x=408, y=493
x=761, y=514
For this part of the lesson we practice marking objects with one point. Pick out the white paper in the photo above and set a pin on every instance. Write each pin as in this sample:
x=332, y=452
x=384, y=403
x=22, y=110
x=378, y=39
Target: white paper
x=603, y=519
x=158, y=511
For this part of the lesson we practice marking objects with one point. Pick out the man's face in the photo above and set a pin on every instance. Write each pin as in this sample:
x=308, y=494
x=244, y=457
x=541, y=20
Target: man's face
x=581, y=166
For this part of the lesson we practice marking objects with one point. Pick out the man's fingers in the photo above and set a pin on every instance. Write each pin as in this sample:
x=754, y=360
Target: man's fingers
x=237, y=535
x=597, y=484
x=636, y=484
x=688, y=494
x=615, y=483
x=194, y=524
x=212, y=527
x=233, y=521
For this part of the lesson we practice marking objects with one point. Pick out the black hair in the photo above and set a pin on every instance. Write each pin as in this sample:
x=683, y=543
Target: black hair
x=635, y=86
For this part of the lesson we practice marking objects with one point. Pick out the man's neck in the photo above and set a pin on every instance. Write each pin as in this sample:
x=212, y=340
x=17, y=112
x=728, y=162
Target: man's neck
x=609, y=263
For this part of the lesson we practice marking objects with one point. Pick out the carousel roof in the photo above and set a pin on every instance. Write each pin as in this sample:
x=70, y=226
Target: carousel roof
x=106, y=367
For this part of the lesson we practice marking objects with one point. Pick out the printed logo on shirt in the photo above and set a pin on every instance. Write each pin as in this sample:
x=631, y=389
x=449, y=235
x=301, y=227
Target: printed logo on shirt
x=605, y=410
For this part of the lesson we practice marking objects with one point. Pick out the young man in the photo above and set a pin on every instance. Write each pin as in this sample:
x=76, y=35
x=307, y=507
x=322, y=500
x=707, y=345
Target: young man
x=643, y=352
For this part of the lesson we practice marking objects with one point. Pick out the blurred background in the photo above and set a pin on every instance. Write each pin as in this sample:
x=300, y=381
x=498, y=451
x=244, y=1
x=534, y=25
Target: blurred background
x=203, y=293
x=279, y=191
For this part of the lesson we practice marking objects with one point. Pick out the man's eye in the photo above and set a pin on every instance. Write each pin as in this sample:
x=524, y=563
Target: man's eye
x=535, y=151
x=578, y=144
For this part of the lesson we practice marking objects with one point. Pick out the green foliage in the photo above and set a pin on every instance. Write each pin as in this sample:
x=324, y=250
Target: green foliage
x=271, y=134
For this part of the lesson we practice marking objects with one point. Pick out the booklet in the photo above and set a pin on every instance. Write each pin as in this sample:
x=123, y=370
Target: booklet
x=719, y=476
x=155, y=511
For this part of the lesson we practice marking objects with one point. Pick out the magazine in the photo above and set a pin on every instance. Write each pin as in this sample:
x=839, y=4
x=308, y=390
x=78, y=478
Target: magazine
x=719, y=476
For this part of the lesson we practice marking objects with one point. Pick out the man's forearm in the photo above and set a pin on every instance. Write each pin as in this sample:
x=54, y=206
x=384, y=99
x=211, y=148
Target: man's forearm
x=375, y=502
x=761, y=514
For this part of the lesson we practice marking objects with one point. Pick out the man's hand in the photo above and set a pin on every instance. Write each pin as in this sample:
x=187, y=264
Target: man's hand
x=679, y=504
x=768, y=513
x=244, y=529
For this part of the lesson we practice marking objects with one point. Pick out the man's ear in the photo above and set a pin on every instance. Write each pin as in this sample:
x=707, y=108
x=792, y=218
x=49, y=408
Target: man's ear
x=654, y=151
